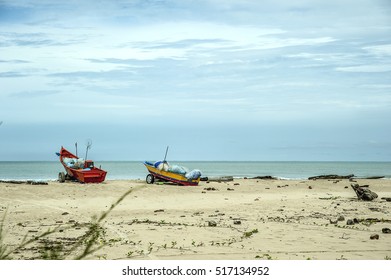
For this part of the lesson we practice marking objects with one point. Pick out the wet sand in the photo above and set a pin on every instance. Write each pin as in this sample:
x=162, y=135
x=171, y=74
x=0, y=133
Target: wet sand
x=244, y=219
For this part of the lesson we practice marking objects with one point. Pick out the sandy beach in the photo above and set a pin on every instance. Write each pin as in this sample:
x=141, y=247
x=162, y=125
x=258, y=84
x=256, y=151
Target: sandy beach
x=244, y=219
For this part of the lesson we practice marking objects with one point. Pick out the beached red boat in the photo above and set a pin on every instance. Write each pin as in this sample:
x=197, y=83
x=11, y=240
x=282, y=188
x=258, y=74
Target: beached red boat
x=79, y=169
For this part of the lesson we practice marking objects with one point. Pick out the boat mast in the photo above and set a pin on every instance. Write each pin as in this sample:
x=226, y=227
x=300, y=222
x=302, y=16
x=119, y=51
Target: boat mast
x=165, y=156
x=89, y=143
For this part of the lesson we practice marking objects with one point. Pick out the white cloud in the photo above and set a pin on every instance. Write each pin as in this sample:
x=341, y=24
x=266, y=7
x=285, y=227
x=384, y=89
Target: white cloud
x=379, y=50
x=378, y=68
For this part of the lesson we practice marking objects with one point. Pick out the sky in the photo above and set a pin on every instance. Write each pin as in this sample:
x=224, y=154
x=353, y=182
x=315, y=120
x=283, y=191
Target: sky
x=240, y=80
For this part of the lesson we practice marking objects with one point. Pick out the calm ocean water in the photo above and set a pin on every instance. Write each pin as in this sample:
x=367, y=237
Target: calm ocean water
x=48, y=170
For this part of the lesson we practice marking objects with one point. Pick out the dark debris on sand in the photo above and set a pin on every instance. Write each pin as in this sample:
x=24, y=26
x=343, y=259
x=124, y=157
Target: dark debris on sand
x=28, y=182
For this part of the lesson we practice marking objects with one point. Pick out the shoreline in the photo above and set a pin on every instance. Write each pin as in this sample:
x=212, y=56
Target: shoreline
x=243, y=219
x=214, y=178
x=135, y=170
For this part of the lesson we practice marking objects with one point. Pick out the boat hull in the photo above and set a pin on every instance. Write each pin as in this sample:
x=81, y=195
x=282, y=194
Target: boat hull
x=88, y=176
x=171, y=177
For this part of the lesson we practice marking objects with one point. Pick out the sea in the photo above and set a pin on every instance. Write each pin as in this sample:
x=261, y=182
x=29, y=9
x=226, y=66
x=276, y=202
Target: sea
x=124, y=170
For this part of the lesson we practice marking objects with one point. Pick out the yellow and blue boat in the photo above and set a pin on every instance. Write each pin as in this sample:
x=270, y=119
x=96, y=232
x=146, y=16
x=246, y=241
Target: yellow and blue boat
x=161, y=170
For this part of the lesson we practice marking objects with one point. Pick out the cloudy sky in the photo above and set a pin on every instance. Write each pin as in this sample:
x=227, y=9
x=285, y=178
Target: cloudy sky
x=214, y=79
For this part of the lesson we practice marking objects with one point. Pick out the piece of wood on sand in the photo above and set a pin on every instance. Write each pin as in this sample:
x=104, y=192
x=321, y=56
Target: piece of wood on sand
x=363, y=193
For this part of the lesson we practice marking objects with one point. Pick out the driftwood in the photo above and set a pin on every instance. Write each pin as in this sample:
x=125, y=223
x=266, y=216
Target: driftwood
x=265, y=178
x=374, y=177
x=331, y=176
x=363, y=193
x=220, y=178
x=29, y=182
